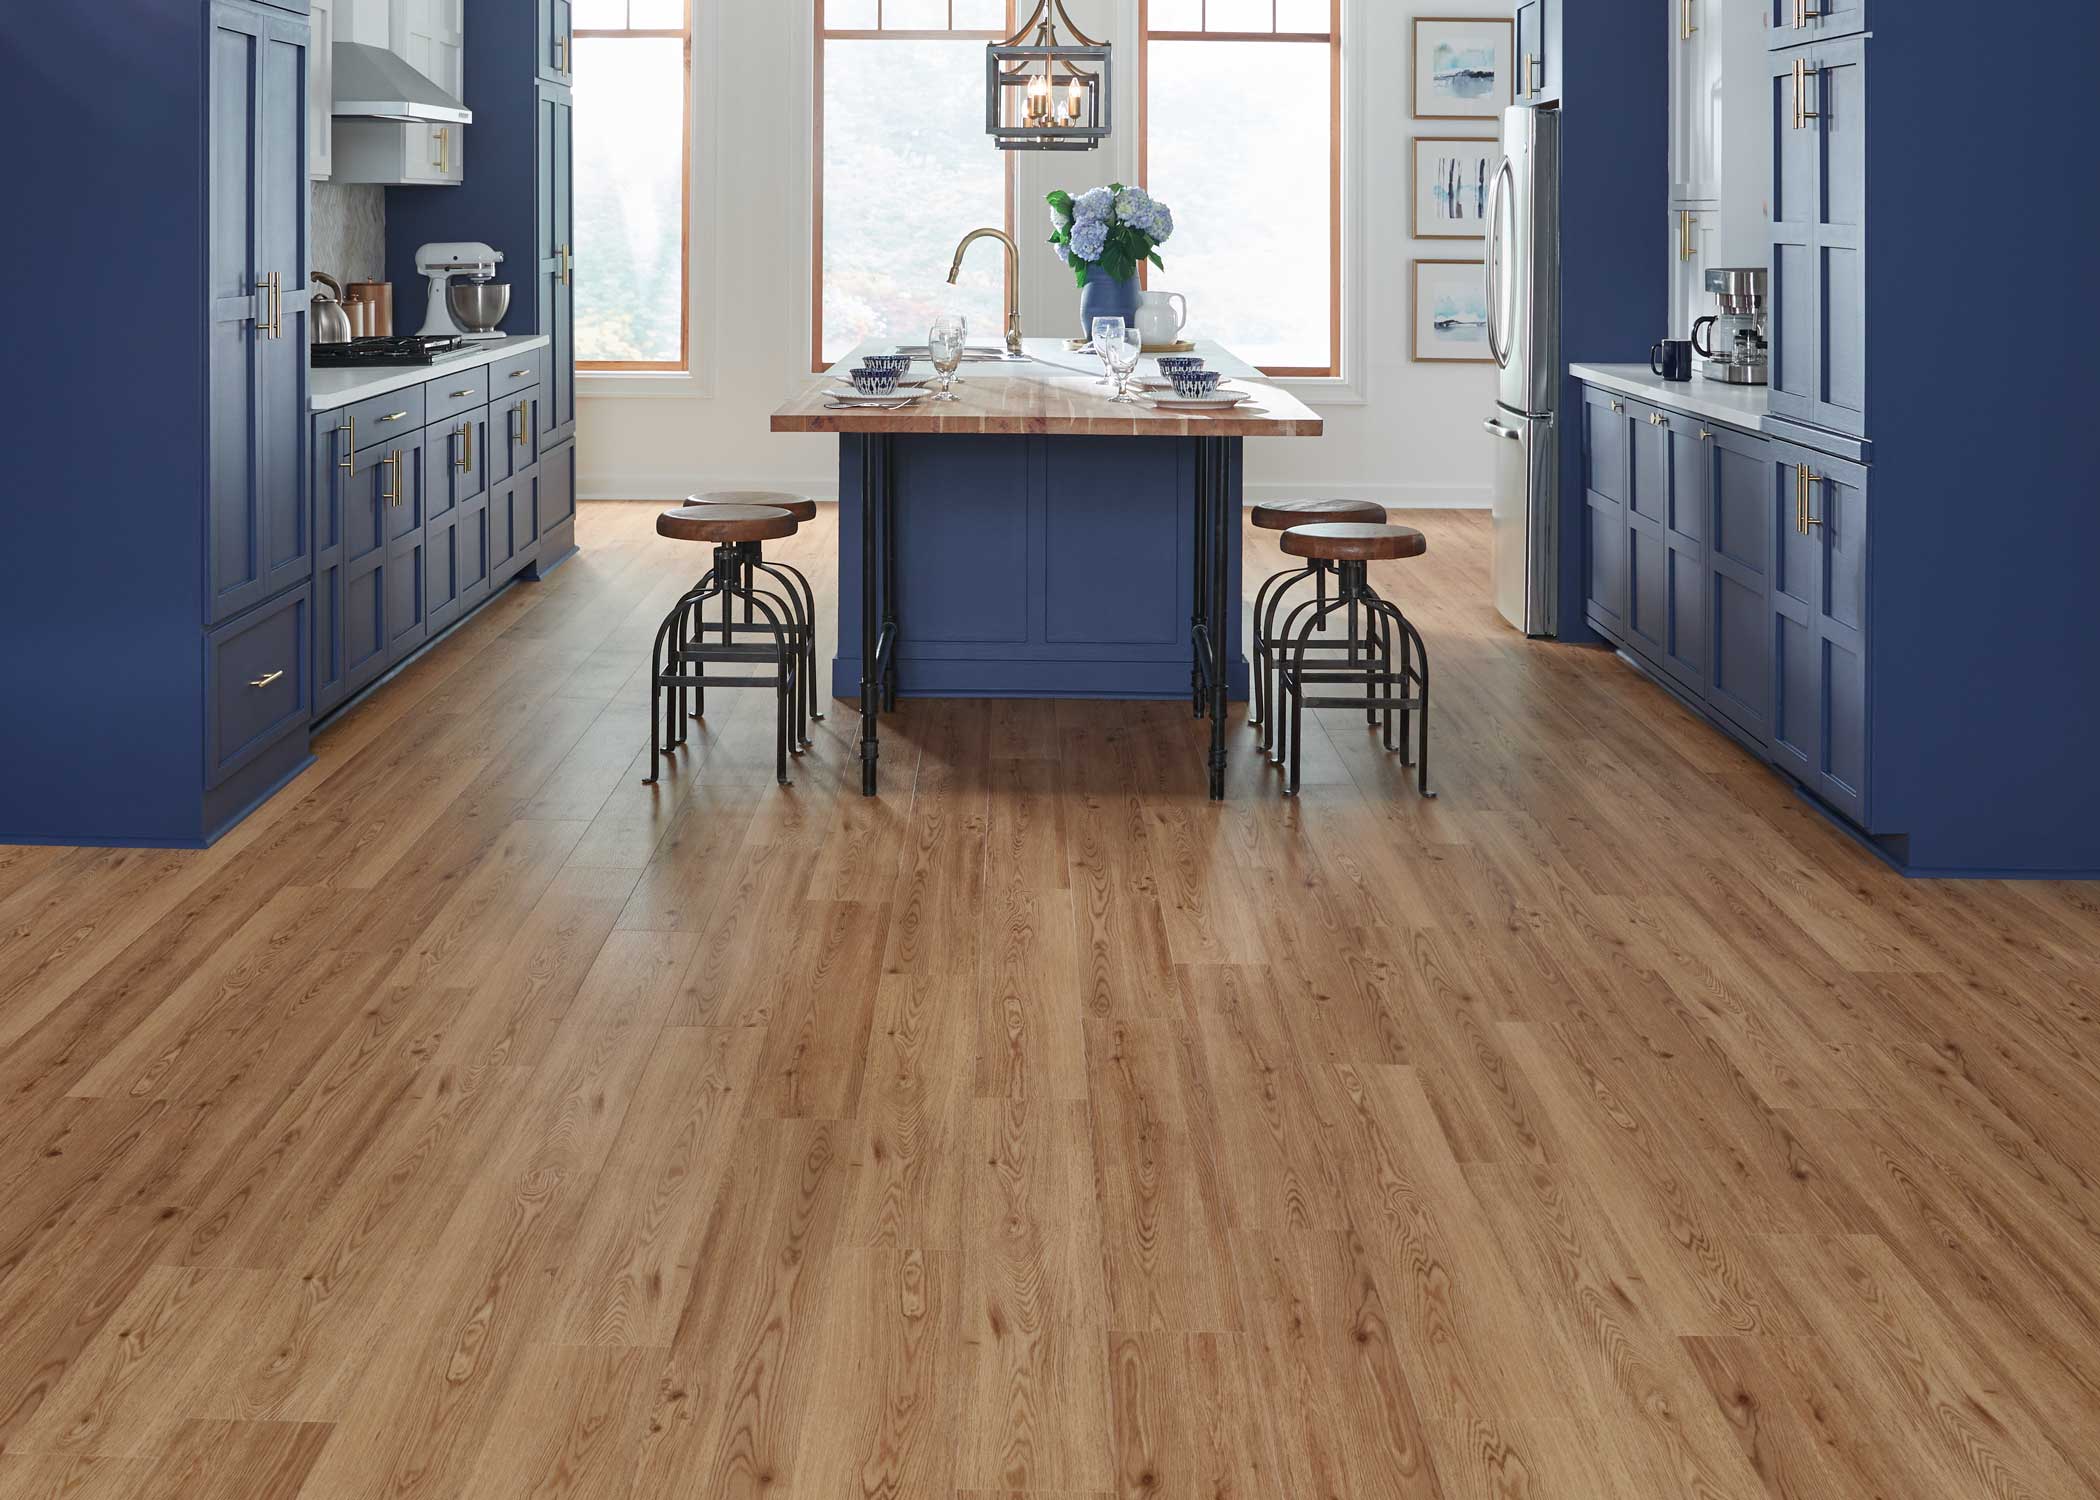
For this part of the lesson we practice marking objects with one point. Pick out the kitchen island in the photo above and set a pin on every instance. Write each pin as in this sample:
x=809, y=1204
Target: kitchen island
x=1034, y=539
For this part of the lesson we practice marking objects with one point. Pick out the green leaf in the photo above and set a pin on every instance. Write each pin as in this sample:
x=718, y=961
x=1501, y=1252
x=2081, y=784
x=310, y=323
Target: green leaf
x=1079, y=271
x=1153, y=256
x=1060, y=200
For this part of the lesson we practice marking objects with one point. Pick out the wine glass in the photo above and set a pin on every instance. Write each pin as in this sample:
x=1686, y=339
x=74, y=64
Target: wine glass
x=1107, y=331
x=944, y=345
x=961, y=325
x=1122, y=355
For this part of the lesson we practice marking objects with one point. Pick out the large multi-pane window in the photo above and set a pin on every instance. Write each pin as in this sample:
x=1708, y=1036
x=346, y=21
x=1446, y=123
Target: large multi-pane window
x=904, y=170
x=1241, y=137
x=632, y=144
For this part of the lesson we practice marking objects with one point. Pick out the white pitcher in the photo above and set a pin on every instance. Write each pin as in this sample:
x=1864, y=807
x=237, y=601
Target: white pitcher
x=1158, y=325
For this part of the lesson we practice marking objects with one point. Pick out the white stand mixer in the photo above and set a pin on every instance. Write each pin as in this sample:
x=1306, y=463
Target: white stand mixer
x=476, y=264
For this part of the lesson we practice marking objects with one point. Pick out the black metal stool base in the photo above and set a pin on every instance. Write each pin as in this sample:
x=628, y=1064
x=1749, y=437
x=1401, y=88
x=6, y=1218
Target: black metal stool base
x=778, y=631
x=1374, y=625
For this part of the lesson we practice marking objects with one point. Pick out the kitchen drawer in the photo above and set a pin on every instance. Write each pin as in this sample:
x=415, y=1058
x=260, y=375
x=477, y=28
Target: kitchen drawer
x=258, y=682
x=514, y=373
x=379, y=418
x=453, y=395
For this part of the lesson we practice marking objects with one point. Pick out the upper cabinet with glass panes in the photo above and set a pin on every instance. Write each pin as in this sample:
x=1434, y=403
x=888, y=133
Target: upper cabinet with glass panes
x=939, y=17
x=628, y=15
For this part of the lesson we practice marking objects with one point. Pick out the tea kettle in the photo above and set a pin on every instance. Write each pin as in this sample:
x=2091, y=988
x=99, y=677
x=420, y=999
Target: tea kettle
x=326, y=322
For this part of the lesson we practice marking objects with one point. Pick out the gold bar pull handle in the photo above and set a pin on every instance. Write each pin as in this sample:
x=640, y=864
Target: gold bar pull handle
x=266, y=679
x=391, y=494
x=1810, y=481
x=1801, y=91
x=1705, y=436
x=567, y=262
x=1800, y=499
x=1689, y=30
x=348, y=462
x=444, y=151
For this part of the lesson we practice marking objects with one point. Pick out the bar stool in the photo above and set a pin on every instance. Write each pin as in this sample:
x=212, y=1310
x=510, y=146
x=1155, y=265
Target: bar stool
x=684, y=650
x=1282, y=515
x=1349, y=548
x=804, y=510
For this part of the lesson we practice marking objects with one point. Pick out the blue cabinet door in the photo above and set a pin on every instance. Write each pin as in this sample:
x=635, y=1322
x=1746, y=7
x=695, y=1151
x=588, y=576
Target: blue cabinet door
x=556, y=41
x=558, y=485
x=256, y=256
x=334, y=467
x=475, y=554
x=1647, y=554
x=1685, y=526
x=404, y=596
x=557, y=248
x=1742, y=529
x=1607, y=482
x=1819, y=623
x=1790, y=23
x=1818, y=316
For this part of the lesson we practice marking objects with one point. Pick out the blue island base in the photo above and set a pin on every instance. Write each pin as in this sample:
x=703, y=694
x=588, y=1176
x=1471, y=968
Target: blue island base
x=1036, y=567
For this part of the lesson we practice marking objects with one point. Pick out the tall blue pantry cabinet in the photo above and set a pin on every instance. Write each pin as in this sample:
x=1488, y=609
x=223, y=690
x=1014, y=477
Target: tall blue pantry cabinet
x=1936, y=511
x=157, y=596
x=518, y=198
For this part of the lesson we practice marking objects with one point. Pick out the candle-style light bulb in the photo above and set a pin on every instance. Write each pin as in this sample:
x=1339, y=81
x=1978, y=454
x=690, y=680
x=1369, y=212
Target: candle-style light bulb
x=1076, y=106
x=1039, y=98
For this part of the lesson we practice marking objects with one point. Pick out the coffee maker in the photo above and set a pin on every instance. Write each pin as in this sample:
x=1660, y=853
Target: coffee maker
x=1734, y=352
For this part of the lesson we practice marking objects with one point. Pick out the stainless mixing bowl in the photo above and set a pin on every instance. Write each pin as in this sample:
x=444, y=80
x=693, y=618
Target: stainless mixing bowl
x=479, y=305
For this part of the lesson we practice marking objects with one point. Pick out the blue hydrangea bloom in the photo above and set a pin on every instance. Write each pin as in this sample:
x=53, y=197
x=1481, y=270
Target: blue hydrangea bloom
x=1133, y=205
x=1063, y=253
x=1094, y=207
x=1089, y=238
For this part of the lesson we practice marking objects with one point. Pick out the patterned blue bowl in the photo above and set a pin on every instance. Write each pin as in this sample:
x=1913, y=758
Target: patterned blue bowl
x=896, y=364
x=1174, y=365
x=872, y=382
x=1195, y=383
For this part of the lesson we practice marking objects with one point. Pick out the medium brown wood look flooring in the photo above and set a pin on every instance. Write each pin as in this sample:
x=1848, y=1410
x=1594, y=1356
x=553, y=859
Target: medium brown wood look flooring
x=478, y=1123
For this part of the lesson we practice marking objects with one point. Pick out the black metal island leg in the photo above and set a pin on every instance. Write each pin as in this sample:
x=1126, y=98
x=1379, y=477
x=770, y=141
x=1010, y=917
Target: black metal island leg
x=1222, y=594
x=874, y=479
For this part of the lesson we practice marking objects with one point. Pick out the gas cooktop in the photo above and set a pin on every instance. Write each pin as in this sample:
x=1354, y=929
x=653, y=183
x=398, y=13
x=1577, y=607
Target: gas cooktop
x=417, y=349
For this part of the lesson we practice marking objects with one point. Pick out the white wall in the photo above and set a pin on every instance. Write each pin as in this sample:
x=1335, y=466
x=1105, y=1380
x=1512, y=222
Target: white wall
x=1401, y=433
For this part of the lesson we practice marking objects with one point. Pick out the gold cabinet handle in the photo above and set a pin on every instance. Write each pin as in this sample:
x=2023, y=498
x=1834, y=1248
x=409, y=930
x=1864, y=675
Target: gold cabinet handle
x=1687, y=242
x=1531, y=73
x=1618, y=406
x=561, y=53
x=517, y=423
x=1809, y=518
x=394, y=416
x=1799, y=82
x=1801, y=499
x=1801, y=92
x=1656, y=419
x=456, y=395
x=519, y=374
x=444, y=140
x=567, y=262
x=1689, y=30
x=392, y=493
x=266, y=679
x=1804, y=13
x=348, y=462
x=1705, y=436
x=271, y=289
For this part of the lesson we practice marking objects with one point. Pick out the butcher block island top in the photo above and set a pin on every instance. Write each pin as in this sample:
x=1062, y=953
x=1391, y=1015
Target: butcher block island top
x=1051, y=393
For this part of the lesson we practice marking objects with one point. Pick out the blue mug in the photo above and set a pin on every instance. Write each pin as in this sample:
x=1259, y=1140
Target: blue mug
x=1671, y=359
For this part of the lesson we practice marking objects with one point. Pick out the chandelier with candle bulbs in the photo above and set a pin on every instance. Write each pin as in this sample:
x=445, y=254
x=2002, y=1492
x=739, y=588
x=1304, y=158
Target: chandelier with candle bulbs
x=1047, y=86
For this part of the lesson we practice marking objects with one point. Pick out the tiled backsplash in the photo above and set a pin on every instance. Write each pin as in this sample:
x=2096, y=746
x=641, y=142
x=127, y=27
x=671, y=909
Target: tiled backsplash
x=349, y=231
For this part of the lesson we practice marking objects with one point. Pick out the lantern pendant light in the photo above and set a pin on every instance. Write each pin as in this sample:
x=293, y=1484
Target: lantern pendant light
x=1047, y=86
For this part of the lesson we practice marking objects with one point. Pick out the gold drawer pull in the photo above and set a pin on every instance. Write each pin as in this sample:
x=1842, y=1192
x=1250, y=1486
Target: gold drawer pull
x=1618, y=406
x=266, y=679
x=467, y=392
x=1690, y=30
x=394, y=416
x=1705, y=436
x=349, y=460
x=392, y=493
x=1809, y=518
x=516, y=374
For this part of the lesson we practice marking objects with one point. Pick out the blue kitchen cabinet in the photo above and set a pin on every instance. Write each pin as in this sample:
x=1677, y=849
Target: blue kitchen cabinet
x=557, y=503
x=557, y=260
x=334, y=450
x=1791, y=23
x=1819, y=626
x=555, y=37
x=1687, y=518
x=1607, y=450
x=1738, y=577
x=257, y=684
x=1818, y=236
x=256, y=258
x=1538, y=79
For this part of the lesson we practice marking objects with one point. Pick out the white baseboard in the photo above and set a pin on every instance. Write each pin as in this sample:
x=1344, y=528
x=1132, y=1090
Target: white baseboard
x=658, y=487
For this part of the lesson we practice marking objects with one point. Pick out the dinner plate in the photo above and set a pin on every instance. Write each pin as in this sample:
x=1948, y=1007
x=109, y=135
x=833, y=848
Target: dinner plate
x=837, y=402
x=1223, y=401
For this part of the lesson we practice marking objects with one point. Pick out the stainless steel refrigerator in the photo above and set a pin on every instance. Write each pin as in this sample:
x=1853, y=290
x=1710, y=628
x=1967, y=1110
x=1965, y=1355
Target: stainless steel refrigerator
x=1523, y=307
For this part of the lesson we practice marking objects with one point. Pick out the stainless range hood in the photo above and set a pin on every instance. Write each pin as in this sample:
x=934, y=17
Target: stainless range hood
x=372, y=83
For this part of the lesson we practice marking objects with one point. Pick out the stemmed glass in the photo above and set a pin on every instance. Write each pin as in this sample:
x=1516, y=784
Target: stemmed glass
x=1122, y=354
x=1106, y=331
x=944, y=346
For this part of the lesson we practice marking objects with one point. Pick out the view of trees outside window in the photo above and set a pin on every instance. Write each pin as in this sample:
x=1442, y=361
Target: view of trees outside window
x=908, y=171
x=1239, y=137
x=629, y=141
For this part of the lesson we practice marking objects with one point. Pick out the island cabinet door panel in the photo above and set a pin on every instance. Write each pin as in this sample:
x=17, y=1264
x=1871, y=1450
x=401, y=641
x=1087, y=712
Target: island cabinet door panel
x=1739, y=567
x=1819, y=728
x=1085, y=603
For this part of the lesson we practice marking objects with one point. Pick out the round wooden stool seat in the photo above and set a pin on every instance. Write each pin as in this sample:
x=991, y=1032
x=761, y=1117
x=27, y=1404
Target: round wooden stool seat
x=1282, y=515
x=801, y=507
x=1351, y=542
x=725, y=523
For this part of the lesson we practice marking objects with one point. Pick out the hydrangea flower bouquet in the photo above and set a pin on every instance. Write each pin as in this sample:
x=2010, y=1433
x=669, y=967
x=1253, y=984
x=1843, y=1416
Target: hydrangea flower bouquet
x=1104, y=235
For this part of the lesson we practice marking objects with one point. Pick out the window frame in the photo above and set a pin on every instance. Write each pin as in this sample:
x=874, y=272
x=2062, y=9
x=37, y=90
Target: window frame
x=821, y=34
x=683, y=365
x=1332, y=39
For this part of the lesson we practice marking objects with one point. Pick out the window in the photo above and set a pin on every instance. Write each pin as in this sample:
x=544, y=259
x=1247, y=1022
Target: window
x=904, y=171
x=1241, y=136
x=633, y=148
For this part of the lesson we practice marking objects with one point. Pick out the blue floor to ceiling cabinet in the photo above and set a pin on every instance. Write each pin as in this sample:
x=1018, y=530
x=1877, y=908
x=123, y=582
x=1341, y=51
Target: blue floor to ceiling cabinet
x=160, y=601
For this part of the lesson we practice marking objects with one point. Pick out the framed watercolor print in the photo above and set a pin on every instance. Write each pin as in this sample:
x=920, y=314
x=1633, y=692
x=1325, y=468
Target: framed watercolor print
x=1451, y=312
x=1452, y=180
x=1463, y=67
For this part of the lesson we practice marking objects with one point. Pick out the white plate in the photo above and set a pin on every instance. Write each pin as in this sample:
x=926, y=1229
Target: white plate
x=1160, y=383
x=852, y=397
x=1223, y=401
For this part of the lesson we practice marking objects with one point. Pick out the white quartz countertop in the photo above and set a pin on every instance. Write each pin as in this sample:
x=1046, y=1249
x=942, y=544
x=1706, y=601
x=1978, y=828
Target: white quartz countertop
x=1739, y=406
x=336, y=386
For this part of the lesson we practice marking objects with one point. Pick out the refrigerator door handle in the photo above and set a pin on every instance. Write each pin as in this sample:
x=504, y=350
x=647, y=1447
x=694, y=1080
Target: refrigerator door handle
x=1495, y=267
x=1500, y=431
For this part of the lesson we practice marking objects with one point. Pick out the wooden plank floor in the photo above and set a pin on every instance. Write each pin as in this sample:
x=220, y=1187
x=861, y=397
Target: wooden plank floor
x=477, y=1122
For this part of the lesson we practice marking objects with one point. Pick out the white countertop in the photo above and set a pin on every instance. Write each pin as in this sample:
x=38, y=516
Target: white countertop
x=1740, y=406
x=337, y=386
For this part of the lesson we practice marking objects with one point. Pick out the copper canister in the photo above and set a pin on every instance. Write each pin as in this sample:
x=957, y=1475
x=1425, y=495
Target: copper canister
x=378, y=300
